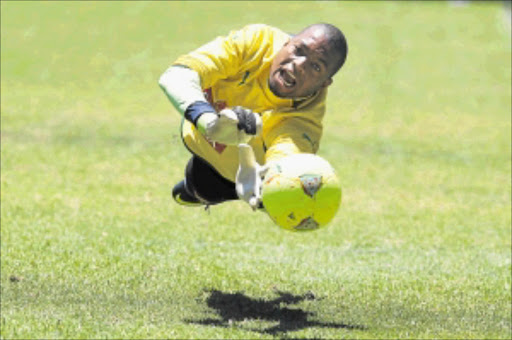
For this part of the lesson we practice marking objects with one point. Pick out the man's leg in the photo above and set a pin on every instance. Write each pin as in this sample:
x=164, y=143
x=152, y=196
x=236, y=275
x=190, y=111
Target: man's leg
x=182, y=196
x=203, y=185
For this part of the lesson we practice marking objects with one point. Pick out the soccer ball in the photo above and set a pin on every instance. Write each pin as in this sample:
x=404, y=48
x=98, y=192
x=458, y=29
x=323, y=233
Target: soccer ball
x=301, y=192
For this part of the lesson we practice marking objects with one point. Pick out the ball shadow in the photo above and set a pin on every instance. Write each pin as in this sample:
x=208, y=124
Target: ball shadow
x=234, y=307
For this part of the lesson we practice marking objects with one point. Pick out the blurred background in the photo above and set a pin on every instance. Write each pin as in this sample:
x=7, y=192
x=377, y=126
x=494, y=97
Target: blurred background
x=418, y=127
x=70, y=68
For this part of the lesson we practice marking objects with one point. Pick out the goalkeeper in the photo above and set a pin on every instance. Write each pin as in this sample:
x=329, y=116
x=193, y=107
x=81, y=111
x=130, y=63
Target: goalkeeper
x=259, y=86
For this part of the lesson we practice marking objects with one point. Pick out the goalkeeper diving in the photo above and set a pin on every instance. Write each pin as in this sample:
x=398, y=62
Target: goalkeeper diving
x=248, y=99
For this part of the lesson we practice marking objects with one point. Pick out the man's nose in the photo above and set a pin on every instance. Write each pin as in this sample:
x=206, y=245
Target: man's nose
x=300, y=62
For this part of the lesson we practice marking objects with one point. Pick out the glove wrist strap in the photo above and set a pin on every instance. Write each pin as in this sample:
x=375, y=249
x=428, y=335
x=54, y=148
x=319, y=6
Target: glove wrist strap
x=196, y=109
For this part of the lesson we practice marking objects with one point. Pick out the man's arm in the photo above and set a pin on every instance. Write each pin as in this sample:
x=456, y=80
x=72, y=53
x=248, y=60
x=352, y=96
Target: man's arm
x=290, y=136
x=183, y=87
x=230, y=126
x=203, y=68
x=296, y=131
x=226, y=56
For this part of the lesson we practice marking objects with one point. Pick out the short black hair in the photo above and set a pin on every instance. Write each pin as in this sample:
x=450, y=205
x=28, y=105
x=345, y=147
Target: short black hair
x=336, y=42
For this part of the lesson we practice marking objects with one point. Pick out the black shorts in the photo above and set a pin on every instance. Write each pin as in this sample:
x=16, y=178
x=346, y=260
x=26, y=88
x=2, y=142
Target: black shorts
x=204, y=182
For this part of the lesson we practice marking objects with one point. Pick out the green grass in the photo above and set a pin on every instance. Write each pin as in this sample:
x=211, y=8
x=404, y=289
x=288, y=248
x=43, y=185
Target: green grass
x=418, y=128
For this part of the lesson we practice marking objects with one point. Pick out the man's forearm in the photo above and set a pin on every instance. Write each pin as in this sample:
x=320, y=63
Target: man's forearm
x=183, y=88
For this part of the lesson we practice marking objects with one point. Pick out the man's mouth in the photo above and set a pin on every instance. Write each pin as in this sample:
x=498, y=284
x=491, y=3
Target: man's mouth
x=287, y=77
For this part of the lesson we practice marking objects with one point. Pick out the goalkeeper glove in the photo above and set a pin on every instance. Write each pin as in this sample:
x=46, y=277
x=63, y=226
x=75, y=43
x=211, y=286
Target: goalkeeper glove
x=249, y=177
x=249, y=123
x=230, y=126
x=220, y=128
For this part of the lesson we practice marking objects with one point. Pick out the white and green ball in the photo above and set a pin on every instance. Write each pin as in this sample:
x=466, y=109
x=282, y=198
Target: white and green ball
x=301, y=192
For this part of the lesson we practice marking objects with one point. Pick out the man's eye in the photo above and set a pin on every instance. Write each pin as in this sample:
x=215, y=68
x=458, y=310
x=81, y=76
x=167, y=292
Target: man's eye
x=316, y=67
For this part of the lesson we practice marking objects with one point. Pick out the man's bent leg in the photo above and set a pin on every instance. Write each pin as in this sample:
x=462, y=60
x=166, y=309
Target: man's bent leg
x=182, y=196
x=207, y=184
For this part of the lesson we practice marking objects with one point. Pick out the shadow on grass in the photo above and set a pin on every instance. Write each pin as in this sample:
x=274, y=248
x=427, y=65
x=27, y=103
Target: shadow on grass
x=233, y=307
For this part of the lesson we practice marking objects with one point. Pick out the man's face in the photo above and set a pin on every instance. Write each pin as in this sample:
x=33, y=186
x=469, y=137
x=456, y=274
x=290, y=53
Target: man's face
x=302, y=66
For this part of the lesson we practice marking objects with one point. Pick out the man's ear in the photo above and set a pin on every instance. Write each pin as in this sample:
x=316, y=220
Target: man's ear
x=327, y=82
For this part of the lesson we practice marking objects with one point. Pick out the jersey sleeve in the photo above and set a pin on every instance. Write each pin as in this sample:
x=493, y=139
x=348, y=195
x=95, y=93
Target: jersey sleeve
x=292, y=135
x=225, y=56
x=297, y=131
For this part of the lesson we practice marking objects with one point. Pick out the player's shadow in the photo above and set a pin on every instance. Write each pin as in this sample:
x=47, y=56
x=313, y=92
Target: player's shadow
x=235, y=307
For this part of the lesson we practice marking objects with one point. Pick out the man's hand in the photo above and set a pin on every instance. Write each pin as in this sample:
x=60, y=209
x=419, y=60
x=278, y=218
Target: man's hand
x=220, y=128
x=230, y=126
x=249, y=177
x=249, y=123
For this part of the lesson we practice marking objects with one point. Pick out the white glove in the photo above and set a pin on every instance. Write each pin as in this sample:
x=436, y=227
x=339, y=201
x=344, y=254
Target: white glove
x=230, y=126
x=220, y=128
x=249, y=177
x=249, y=124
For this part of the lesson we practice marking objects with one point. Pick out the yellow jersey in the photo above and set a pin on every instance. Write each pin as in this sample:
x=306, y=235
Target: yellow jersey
x=234, y=71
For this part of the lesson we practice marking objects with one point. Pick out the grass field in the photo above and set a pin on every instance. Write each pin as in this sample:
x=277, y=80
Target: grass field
x=418, y=128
